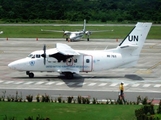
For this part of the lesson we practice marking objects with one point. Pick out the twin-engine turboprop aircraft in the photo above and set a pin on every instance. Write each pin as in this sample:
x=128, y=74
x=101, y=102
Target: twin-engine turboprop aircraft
x=76, y=35
x=63, y=59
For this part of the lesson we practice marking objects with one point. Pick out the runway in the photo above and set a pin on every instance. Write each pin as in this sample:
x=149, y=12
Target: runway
x=144, y=79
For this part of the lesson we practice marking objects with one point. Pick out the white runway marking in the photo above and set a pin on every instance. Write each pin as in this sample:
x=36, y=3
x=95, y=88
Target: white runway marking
x=91, y=84
x=60, y=83
x=27, y=83
x=39, y=83
x=81, y=84
x=49, y=83
x=113, y=84
x=8, y=82
x=146, y=85
x=126, y=84
x=102, y=84
x=157, y=85
x=1, y=81
x=135, y=85
x=18, y=82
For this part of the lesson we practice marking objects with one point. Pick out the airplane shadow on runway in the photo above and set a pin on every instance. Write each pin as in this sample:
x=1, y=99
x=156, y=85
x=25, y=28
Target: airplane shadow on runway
x=134, y=77
x=128, y=76
x=78, y=79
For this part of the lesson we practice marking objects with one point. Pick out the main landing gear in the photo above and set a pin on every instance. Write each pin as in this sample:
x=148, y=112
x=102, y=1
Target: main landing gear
x=68, y=75
x=30, y=74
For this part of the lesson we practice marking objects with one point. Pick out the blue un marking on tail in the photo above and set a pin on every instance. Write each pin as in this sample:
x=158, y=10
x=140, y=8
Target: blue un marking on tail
x=133, y=38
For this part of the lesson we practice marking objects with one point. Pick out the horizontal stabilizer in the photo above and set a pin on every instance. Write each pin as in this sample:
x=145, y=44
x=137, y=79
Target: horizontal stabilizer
x=65, y=49
x=131, y=64
x=129, y=46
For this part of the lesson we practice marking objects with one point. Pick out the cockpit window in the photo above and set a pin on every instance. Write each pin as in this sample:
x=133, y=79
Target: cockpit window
x=37, y=56
x=33, y=56
x=30, y=55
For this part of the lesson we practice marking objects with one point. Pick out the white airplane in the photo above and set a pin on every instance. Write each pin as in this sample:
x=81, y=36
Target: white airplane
x=65, y=60
x=72, y=36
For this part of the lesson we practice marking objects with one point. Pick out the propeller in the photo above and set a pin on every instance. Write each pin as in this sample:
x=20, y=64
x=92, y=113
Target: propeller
x=44, y=55
x=64, y=33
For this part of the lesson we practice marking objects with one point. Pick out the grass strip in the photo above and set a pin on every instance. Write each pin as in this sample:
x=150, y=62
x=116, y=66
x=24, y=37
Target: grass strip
x=35, y=31
x=64, y=111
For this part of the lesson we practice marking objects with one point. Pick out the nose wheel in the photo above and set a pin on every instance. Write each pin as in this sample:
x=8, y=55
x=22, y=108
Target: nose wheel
x=30, y=74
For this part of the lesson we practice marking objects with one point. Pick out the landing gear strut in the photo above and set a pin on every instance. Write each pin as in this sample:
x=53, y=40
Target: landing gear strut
x=30, y=74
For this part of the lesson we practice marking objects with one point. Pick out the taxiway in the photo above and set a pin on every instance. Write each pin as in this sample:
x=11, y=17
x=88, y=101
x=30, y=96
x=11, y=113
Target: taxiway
x=143, y=79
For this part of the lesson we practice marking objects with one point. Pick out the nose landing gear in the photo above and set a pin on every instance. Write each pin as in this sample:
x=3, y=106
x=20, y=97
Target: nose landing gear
x=30, y=74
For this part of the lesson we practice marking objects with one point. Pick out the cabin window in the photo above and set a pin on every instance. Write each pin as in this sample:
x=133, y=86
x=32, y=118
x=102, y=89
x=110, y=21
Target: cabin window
x=87, y=60
x=108, y=55
x=75, y=60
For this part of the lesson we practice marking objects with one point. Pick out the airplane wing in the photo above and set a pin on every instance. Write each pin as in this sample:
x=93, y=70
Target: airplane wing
x=52, y=30
x=101, y=31
x=90, y=32
x=65, y=49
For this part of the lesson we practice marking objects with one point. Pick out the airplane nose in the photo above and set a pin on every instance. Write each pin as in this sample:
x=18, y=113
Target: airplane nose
x=18, y=64
x=12, y=65
x=72, y=36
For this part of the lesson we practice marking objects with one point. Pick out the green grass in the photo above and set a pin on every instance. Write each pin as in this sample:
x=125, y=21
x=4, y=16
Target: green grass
x=57, y=111
x=35, y=31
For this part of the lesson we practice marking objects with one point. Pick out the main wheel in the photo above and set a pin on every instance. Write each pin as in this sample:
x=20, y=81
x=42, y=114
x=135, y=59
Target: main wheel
x=31, y=75
x=27, y=72
x=87, y=39
x=69, y=75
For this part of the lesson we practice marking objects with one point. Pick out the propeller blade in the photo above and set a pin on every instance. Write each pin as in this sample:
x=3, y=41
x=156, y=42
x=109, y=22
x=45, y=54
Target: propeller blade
x=44, y=55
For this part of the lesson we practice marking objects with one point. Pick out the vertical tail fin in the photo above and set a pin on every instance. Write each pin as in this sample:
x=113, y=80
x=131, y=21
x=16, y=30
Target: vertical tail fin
x=84, y=26
x=134, y=41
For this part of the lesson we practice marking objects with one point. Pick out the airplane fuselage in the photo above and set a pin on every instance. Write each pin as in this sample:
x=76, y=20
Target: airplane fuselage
x=86, y=62
x=76, y=35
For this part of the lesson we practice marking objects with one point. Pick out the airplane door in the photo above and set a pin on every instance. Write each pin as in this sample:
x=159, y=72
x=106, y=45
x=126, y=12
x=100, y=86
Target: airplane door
x=87, y=63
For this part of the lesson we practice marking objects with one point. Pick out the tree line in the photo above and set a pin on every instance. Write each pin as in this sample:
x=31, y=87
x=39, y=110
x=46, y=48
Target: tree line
x=77, y=10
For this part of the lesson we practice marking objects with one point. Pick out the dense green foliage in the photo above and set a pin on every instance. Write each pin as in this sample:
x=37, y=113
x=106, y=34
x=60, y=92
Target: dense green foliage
x=77, y=10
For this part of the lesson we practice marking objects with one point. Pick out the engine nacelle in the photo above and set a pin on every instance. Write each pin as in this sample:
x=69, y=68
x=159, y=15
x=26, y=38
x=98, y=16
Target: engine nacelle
x=88, y=33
